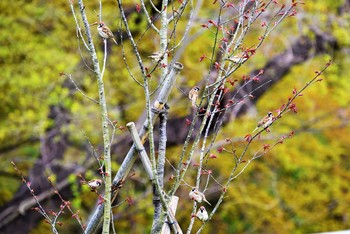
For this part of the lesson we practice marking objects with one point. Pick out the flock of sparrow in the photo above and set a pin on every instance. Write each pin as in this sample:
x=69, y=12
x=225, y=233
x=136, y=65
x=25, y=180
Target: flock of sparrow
x=194, y=194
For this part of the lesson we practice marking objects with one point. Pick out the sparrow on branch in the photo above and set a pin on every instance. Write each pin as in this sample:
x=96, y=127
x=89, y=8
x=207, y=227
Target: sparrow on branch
x=193, y=95
x=93, y=184
x=265, y=122
x=105, y=32
x=197, y=196
x=202, y=214
x=157, y=56
x=239, y=58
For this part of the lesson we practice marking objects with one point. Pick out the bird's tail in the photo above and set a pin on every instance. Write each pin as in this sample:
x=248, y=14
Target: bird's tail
x=115, y=41
x=194, y=103
x=255, y=129
x=207, y=201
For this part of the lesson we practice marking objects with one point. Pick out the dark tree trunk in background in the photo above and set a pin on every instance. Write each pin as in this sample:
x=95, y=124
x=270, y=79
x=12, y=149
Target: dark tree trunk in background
x=275, y=69
x=53, y=146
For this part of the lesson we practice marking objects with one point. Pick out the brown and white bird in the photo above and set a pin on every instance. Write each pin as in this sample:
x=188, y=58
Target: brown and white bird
x=193, y=95
x=157, y=56
x=265, y=122
x=105, y=32
x=239, y=59
x=197, y=196
x=93, y=184
x=202, y=214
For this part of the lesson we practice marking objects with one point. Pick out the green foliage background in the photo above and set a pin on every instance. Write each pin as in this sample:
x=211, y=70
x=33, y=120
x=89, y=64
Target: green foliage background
x=302, y=186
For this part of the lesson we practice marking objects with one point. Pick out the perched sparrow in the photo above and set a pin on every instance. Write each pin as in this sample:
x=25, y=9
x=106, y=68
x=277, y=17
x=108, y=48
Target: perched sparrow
x=156, y=56
x=202, y=214
x=197, y=196
x=266, y=121
x=240, y=58
x=105, y=32
x=93, y=184
x=193, y=95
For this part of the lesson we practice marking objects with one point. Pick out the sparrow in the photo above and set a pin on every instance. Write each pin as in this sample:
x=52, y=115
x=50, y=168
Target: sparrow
x=202, y=214
x=239, y=59
x=93, y=184
x=156, y=56
x=197, y=196
x=105, y=32
x=193, y=95
x=266, y=121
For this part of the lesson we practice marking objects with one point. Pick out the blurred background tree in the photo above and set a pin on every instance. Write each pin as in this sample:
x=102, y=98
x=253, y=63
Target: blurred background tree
x=301, y=186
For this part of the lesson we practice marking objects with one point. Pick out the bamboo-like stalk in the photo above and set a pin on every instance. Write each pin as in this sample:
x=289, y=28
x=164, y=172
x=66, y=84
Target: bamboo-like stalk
x=159, y=217
x=148, y=167
x=140, y=149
